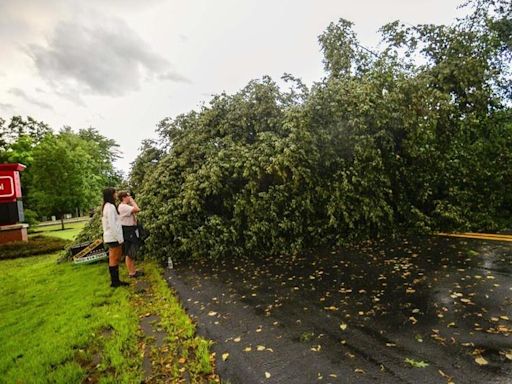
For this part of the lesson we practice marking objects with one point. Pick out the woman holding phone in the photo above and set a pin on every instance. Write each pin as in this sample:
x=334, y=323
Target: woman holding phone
x=128, y=208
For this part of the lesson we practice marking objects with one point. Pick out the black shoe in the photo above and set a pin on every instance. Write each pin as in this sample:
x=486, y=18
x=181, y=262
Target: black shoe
x=137, y=274
x=114, y=277
x=119, y=284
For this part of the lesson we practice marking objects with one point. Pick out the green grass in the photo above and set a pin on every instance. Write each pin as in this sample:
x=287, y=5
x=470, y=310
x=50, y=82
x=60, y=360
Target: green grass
x=60, y=323
x=71, y=230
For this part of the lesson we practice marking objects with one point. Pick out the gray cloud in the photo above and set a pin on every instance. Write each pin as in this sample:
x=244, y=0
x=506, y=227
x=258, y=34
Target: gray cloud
x=70, y=95
x=173, y=76
x=21, y=94
x=107, y=58
x=20, y=9
x=6, y=107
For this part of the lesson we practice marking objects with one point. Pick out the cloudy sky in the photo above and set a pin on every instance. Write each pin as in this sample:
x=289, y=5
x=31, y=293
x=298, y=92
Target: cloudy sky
x=122, y=65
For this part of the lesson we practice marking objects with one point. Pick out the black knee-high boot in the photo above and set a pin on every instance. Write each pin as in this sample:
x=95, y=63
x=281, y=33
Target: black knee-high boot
x=114, y=277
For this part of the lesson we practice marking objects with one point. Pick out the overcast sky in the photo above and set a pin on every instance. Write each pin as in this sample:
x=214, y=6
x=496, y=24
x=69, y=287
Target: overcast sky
x=122, y=65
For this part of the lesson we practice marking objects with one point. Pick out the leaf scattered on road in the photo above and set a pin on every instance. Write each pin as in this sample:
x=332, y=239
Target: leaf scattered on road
x=416, y=363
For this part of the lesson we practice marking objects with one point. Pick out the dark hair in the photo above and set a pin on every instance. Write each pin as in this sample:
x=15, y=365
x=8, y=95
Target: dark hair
x=108, y=197
x=121, y=195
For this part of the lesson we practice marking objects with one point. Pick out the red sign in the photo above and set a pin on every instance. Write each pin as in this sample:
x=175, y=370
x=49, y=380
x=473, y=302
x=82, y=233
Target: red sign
x=7, y=189
x=10, y=186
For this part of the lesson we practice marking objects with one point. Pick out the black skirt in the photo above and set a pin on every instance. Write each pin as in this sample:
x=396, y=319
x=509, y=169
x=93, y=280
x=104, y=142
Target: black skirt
x=131, y=241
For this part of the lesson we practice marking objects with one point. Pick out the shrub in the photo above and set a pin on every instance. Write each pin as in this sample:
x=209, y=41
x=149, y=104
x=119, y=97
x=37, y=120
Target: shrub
x=31, y=217
x=37, y=245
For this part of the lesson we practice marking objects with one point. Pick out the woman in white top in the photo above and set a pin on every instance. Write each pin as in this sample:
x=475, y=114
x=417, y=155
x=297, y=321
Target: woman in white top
x=112, y=235
x=127, y=210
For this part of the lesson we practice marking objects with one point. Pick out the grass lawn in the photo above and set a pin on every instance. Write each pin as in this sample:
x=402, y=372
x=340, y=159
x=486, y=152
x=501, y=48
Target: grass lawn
x=61, y=323
x=69, y=233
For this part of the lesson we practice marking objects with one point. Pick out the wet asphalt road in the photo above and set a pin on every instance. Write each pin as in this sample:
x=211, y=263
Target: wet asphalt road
x=425, y=310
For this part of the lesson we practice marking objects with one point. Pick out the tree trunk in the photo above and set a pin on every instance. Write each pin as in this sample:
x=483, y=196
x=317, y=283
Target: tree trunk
x=62, y=221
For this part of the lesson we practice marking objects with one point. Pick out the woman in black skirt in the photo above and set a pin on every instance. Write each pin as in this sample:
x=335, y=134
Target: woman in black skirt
x=127, y=210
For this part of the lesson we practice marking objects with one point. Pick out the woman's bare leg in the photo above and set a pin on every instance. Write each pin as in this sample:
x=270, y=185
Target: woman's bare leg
x=114, y=254
x=130, y=265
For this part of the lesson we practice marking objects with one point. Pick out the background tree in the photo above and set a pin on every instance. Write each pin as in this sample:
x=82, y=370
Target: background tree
x=61, y=176
x=18, y=139
x=19, y=127
x=70, y=170
x=105, y=152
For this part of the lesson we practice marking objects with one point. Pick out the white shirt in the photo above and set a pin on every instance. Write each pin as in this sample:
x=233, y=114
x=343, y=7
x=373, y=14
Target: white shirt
x=126, y=214
x=112, y=230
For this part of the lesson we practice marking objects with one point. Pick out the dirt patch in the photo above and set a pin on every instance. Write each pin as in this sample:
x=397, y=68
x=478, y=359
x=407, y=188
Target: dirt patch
x=89, y=360
x=153, y=335
x=424, y=310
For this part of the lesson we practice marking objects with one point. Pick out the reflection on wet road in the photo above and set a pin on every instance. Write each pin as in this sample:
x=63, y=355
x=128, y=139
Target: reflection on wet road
x=414, y=311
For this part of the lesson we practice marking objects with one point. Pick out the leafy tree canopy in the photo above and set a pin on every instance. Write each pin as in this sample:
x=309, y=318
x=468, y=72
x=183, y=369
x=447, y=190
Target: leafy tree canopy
x=148, y=157
x=414, y=137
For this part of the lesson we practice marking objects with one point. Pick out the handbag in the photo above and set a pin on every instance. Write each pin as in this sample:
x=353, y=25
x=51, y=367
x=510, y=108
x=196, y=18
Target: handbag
x=141, y=231
x=131, y=234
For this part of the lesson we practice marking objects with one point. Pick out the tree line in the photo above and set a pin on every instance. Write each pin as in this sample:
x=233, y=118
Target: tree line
x=66, y=171
x=414, y=137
